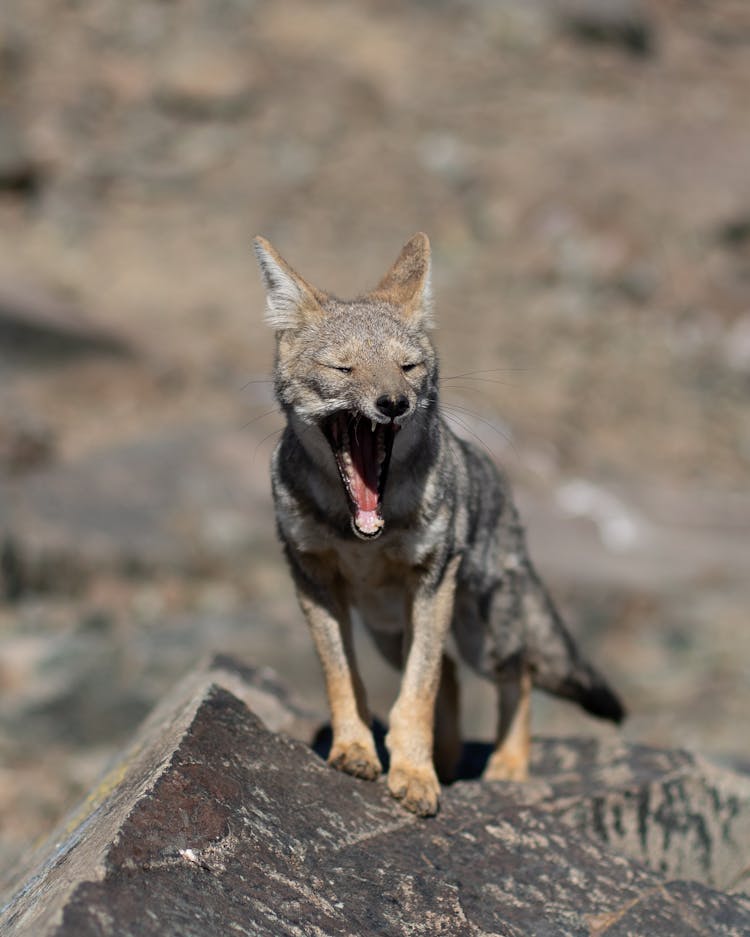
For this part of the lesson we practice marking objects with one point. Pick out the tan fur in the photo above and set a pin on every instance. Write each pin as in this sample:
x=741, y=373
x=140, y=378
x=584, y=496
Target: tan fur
x=407, y=282
x=510, y=759
x=353, y=749
x=412, y=777
x=296, y=300
x=438, y=546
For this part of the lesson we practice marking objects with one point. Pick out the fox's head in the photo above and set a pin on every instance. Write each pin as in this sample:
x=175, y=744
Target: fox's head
x=358, y=372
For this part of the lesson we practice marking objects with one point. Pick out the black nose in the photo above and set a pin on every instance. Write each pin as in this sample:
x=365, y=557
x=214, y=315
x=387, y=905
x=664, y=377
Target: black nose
x=392, y=406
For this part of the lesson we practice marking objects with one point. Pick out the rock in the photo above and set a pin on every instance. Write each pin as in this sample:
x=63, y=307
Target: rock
x=19, y=173
x=181, y=499
x=622, y=23
x=735, y=232
x=25, y=444
x=737, y=345
x=212, y=823
x=11, y=571
x=678, y=814
x=203, y=82
x=37, y=326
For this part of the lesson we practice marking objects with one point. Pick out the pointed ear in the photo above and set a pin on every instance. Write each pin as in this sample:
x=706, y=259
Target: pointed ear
x=290, y=300
x=407, y=284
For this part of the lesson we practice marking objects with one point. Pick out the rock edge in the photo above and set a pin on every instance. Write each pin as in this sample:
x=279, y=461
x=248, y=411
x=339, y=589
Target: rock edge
x=213, y=822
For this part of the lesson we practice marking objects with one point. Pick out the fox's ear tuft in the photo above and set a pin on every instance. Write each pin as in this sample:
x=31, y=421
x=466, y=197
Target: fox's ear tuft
x=408, y=284
x=289, y=299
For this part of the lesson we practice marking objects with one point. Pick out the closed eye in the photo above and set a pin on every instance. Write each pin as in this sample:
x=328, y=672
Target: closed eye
x=410, y=366
x=344, y=369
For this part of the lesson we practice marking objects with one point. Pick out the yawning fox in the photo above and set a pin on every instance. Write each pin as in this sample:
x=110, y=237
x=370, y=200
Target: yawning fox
x=381, y=509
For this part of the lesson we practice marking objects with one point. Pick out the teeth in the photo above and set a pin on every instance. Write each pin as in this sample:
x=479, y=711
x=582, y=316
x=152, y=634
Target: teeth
x=374, y=425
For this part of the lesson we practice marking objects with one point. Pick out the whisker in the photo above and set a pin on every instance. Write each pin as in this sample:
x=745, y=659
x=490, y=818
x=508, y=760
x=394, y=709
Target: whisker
x=460, y=422
x=260, y=417
x=478, y=380
x=445, y=405
x=259, y=380
x=477, y=390
x=482, y=371
x=455, y=406
x=265, y=439
x=495, y=429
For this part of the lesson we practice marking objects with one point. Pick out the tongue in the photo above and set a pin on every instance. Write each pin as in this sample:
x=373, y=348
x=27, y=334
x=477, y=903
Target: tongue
x=369, y=522
x=365, y=480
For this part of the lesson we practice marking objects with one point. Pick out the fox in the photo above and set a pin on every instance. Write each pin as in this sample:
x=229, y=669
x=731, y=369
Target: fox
x=385, y=514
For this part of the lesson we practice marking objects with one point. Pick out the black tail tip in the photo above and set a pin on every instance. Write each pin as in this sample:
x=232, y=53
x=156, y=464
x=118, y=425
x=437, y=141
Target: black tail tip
x=600, y=701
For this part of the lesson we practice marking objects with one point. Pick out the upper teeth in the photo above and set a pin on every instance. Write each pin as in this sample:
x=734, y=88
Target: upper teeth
x=374, y=425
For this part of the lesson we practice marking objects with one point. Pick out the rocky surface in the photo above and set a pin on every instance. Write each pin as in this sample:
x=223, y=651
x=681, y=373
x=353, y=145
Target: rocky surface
x=581, y=169
x=212, y=822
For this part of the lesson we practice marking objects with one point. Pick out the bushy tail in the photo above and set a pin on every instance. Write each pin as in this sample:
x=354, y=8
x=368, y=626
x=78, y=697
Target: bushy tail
x=557, y=665
x=591, y=691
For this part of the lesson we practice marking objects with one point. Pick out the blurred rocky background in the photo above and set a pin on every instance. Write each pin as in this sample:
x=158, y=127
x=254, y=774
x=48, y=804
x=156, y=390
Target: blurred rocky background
x=582, y=171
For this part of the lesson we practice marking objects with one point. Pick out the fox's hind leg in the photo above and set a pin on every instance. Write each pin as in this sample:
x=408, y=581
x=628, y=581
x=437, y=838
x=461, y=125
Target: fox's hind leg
x=510, y=759
x=447, y=749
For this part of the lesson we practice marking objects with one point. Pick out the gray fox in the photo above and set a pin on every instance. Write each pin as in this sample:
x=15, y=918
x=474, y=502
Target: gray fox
x=383, y=511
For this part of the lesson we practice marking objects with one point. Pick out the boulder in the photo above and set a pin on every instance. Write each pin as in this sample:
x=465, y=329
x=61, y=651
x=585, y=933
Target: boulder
x=19, y=173
x=213, y=822
x=625, y=24
x=38, y=327
x=201, y=81
x=182, y=498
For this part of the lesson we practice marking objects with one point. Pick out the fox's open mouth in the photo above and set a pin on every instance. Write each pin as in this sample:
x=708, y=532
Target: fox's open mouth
x=362, y=449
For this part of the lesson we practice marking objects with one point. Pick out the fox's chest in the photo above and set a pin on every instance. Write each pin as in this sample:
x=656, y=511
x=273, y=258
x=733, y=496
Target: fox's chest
x=366, y=568
x=378, y=585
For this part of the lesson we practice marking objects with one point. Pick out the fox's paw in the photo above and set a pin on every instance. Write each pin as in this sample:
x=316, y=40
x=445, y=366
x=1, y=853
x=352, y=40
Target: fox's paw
x=504, y=766
x=416, y=787
x=355, y=758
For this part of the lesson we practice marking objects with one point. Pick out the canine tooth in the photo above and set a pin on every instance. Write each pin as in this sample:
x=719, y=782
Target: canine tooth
x=374, y=425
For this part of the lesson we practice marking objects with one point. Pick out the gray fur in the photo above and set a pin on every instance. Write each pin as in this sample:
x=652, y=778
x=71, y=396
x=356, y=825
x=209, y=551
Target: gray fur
x=444, y=498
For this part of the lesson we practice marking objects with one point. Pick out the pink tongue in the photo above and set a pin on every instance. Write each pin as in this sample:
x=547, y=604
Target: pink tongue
x=365, y=480
x=369, y=522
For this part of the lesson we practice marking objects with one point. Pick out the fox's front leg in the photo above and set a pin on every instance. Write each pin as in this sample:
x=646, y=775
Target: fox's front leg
x=353, y=748
x=410, y=740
